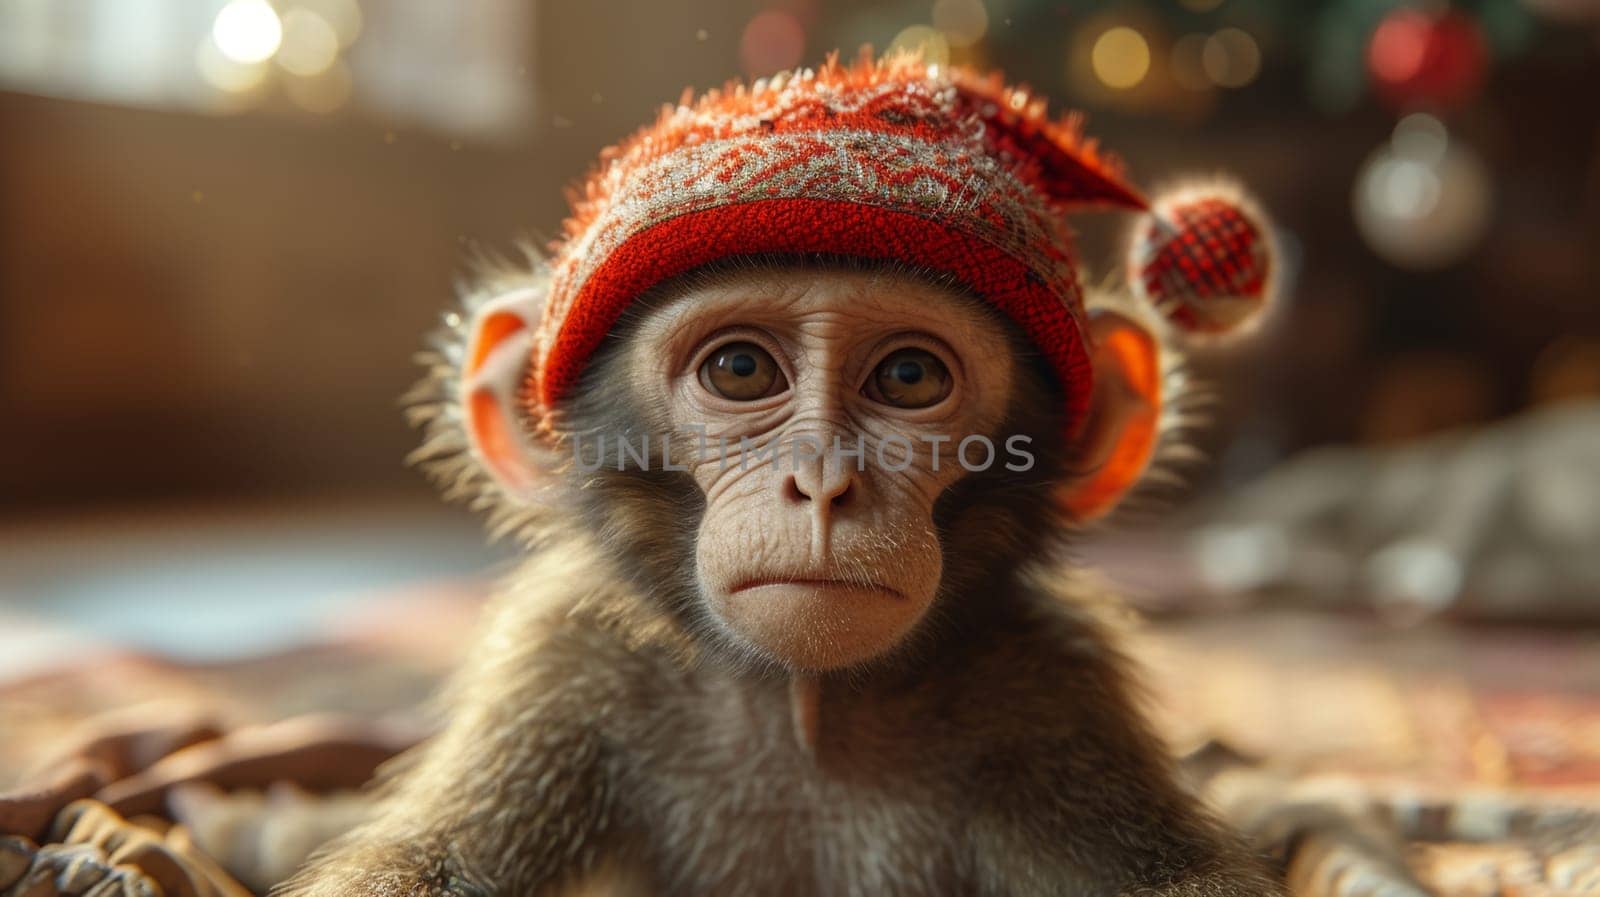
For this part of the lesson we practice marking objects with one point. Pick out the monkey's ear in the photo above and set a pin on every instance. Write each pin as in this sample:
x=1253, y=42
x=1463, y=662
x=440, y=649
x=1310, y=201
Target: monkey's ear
x=1124, y=415
x=493, y=370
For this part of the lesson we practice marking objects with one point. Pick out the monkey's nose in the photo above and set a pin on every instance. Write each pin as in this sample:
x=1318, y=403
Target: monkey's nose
x=835, y=488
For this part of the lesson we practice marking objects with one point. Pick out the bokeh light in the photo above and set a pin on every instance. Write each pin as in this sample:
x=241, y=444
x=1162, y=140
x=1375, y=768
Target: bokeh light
x=1421, y=137
x=1423, y=201
x=772, y=42
x=1417, y=58
x=1399, y=46
x=963, y=22
x=343, y=15
x=1231, y=58
x=225, y=73
x=1121, y=57
x=1403, y=188
x=928, y=41
x=310, y=43
x=324, y=93
x=247, y=31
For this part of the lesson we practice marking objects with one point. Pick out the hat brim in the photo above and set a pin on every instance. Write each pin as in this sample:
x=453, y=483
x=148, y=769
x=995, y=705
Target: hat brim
x=801, y=226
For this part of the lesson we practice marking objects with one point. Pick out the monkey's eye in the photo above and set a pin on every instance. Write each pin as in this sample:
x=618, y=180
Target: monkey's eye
x=909, y=378
x=742, y=372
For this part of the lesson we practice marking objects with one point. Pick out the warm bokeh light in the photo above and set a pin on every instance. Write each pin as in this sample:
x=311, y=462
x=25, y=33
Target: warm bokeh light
x=1231, y=58
x=310, y=44
x=225, y=73
x=1399, y=47
x=963, y=22
x=247, y=31
x=772, y=42
x=930, y=42
x=343, y=15
x=1121, y=57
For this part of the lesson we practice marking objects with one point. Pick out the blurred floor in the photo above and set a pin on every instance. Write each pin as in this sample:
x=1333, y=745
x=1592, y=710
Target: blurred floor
x=210, y=584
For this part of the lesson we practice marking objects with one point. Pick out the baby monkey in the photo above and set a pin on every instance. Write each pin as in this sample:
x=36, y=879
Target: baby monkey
x=794, y=426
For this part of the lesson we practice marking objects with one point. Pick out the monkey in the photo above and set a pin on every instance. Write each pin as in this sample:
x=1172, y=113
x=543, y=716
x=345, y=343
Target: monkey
x=798, y=614
x=989, y=746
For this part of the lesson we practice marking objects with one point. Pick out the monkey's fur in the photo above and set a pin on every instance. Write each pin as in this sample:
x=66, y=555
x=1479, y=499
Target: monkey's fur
x=606, y=738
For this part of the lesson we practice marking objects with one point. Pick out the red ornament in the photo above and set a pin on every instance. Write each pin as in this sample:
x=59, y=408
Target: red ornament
x=1204, y=260
x=1418, y=58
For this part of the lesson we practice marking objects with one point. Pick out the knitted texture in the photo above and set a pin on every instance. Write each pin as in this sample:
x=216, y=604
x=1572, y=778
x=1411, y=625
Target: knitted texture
x=894, y=159
x=1204, y=261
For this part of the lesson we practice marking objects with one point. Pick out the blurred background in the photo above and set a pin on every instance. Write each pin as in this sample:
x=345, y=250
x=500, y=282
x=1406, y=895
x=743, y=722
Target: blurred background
x=225, y=226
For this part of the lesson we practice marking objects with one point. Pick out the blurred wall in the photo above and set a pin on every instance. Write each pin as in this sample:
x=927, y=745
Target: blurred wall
x=194, y=304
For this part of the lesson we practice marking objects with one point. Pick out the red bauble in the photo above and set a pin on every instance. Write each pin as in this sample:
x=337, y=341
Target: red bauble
x=1422, y=59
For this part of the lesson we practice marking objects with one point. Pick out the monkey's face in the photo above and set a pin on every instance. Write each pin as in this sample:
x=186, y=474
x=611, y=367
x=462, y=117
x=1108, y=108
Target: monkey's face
x=836, y=408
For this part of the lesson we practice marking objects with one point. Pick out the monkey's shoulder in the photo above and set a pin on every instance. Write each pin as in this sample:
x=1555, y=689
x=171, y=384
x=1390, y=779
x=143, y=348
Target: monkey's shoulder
x=1028, y=634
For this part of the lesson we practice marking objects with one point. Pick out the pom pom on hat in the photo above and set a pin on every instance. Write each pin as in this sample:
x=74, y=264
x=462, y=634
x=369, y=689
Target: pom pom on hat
x=1204, y=258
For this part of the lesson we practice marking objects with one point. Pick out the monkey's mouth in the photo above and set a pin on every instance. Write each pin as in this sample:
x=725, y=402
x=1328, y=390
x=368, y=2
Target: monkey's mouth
x=831, y=585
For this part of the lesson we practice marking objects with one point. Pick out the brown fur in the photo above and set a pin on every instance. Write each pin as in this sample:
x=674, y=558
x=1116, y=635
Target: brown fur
x=603, y=739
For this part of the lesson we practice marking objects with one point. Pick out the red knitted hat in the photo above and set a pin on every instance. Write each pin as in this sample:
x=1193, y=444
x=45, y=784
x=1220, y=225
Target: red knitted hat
x=894, y=160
